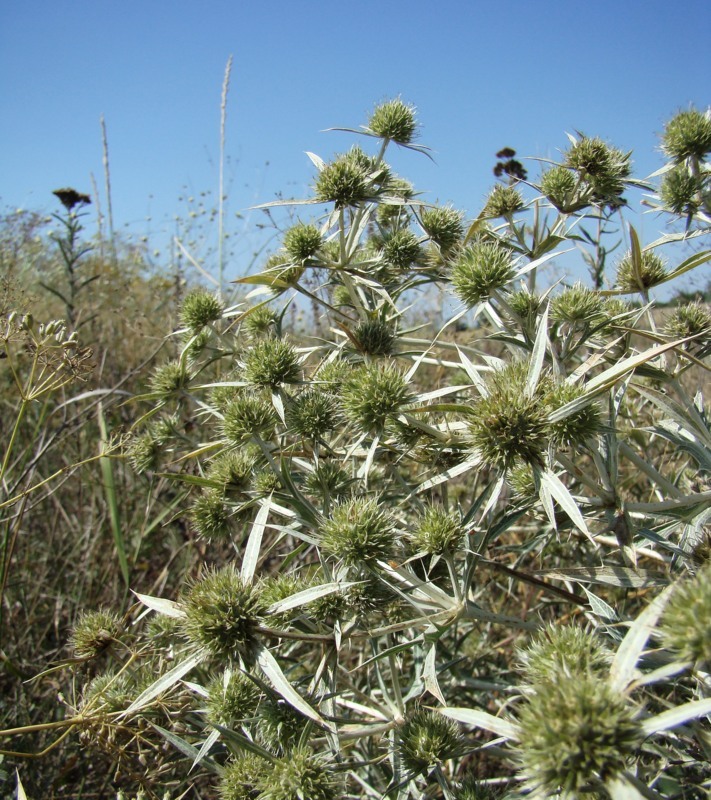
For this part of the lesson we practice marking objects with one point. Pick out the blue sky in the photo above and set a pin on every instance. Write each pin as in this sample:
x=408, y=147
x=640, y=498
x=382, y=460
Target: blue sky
x=483, y=75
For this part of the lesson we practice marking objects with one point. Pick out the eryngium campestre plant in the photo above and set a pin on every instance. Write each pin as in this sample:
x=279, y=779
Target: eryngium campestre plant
x=636, y=278
x=687, y=135
x=344, y=182
x=299, y=775
x=685, y=627
x=222, y=613
x=248, y=416
x=199, y=309
x=241, y=777
x=271, y=362
x=560, y=186
x=375, y=337
x=232, y=471
x=312, y=414
x=232, y=697
x=690, y=319
x=395, y=121
x=577, y=303
x=400, y=250
x=577, y=427
x=480, y=270
x=302, y=241
x=509, y=426
x=564, y=650
x=211, y=516
x=603, y=167
x=436, y=531
x=575, y=732
x=94, y=632
x=170, y=379
x=681, y=191
x=427, y=739
x=372, y=393
x=359, y=531
x=261, y=321
x=444, y=225
x=502, y=201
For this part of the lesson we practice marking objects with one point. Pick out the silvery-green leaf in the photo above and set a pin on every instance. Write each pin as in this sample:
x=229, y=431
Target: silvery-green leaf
x=481, y=719
x=168, y=608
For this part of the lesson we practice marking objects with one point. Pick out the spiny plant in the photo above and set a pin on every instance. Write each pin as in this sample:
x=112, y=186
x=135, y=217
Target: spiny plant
x=449, y=555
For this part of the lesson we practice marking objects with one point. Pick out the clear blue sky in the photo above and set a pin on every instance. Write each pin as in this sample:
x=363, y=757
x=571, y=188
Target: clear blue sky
x=483, y=75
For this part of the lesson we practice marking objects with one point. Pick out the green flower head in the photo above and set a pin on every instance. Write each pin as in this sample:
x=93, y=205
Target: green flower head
x=686, y=623
x=394, y=120
x=199, y=309
x=359, y=531
x=427, y=739
x=372, y=393
x=633, y=277
x=271, y=362
x=94, y=632
x=444, y=225
x=502, y=201
x=302, y=242
x=687, y=135
x=480, y=270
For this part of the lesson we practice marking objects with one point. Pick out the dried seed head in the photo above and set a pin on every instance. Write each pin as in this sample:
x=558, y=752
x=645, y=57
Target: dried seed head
x=199, y=309
x=687, y=135
x=359, y=531
x=222, y=614
x=394, y=120
x=481, y=269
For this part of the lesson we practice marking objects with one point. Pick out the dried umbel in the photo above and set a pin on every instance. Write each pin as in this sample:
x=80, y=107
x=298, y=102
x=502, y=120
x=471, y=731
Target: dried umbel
x=633, y=276
x=395, y=121
x=686, y=623
x=199, y=309
x=94, y=632
x=687, y=135
x=427, y=739
x=222, y=613
x=575, y=732
x=359, y=531
x=480, y=270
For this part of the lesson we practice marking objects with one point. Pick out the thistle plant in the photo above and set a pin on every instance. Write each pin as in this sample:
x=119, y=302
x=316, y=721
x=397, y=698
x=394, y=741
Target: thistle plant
x=416, y=502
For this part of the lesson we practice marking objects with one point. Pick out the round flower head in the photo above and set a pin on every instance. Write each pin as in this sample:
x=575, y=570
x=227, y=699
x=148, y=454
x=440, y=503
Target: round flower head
x=578, y=427
x=170, y=379
x=578, y=304
x=560, y=187
x=312, y=414
x=375, y=337
x=427, y=739
x=271, y=362
x=394, y=120
x=330, y=376
x=241, y=776
x=603, y=167
x=222, y=614
x=681, y=191
x=686, y=623
x=687, y=135
x=94, y=632
x=401, y=249
x=233, y=471
x=508, y=426
x=327, y=480
x=372, y=393
x=575, y=732
x=211, y=516
x=690, y=319
x=436, y=532
x=344, y=182
x=248, y=416
x=635, y=278
x=302, y=242
x=444, y=226
x=109, y=691
x=358, y=531
x=472, y=789
x=480, y=270
x=525, y=307
x=261, y=321
x=233, y=700
x=563, y=650
x=297, y=776
x=279, y=724
x=502, y=201
x=144, y=453
x=199, y=309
